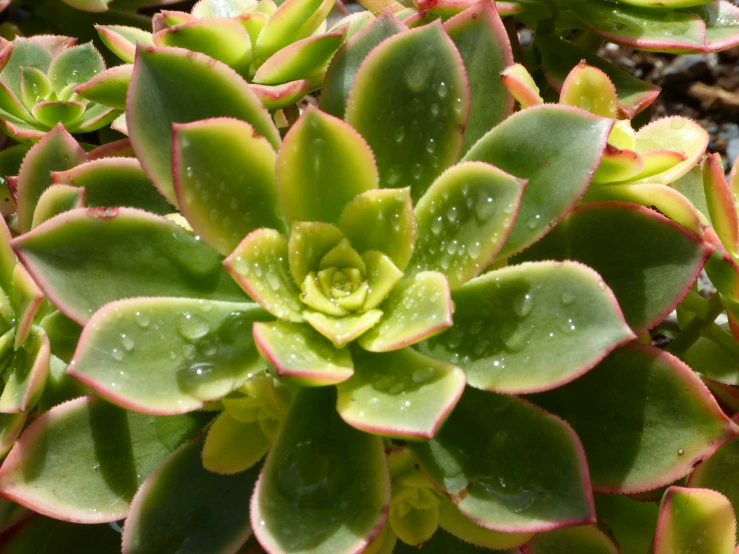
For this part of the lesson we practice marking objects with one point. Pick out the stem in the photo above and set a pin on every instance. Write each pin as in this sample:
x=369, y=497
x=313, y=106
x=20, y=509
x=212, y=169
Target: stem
x=722, y=338
x=692, y=331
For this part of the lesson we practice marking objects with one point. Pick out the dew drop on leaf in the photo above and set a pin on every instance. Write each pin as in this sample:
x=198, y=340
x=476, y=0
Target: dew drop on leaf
x=205, y=381
x=191, y=326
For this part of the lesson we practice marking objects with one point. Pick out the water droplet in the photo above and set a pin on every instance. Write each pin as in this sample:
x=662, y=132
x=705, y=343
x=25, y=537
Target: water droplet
x=417, y=75
x=191, y=326
x=678, y=123
x=423, y=374
x=400, y=134
x=142, y=320
x=442, y=90
x=436, y=226
x=515, y=337
x=523, y=304
x=396, y=388
x=434, y=110
x=117, y=355
x=384, y=382
x=507, y=492
x=485, y=208
x=205, y=381
x=533, y=222
x=127, y=342
x=451, y=214
x=474, y=250
x=568, y=298
x=681, y=452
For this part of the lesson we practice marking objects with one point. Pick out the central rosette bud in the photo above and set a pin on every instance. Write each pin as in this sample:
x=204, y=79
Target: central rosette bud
x=338, y=286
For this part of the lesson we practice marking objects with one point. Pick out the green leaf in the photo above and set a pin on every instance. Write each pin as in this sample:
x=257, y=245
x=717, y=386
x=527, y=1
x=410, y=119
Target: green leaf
x=463, y=220
x=453, y=521
x=259, y=265
x=8, y=261
x=585, y=538
x=98, y=440
x=63, y=334
x=57, y=151
x=304, y=59
x=220, y=38
x=27, y=300
x=74, y=66
x=282, y=95
x=300, y=353
x=166, y=356
x=631, y=523
x=26, y=53
x=720, y=201
x=122, y=40
x=545, y=144
x=183, y=507
x=114, y=182
x=322, y=165
x=416, y=309
x=343, y=329
x=638, y=414
x=509, y=466
x=382, y=275
x=294, y=20
x=25, y=374
x=381, y=220
x=531, y=327
x=325, y=486
x=174, y=86
x=519, y=82
x=85, y=258
x=95, y=117
x=10, y=104
x=224, y=180
x=59, y=387
x=11, y=426
x=345, y=63
x=55, y=200
x=309, y=242
x=108, y=87
x=719, y=473
x=479, y=35
x=417, y=81
x=700, y=521
x=722, y=24
x=602, y=236
x=51, y=113
x=233, y=446
x=43, y=535
x=399, y=394
x=443, y=542
x=590, y=89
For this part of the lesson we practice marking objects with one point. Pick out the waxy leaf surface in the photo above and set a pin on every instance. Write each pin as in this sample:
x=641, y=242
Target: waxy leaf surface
x=586, y=539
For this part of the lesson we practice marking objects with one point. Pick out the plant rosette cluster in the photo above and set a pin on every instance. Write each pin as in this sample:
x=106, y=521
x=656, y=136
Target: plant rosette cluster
x=282, y=51
x=38, y=78
x=400, y=266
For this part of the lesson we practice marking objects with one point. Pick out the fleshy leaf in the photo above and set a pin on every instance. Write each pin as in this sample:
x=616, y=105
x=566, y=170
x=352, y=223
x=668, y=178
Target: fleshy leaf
x=509, y=466
x=382, y=275
x=224, y=180
x=416, y=309
x=11, y=426
x=590, y=89
x=544, y=144
x=51, y=113
x=57, y=151
x=399, y=394
x=720, y=203
x=282, y=95
x=629, y=522
x=345, y=63
x=94, y=118
x=519, y=82
x=322, y=165
x=531, y=327
x=233, y=446
x=325, y=486
x=108, y=87
x=27, y=300
x=114, y=182
x=74, y=66
x=463, y=220
x=344, y=329
x=722, y=24
x=624, y=412
x=167, y=355
x=618, y=164
x=122, y=40
x=181, y=505
x=456, y=523
x=25, y=374
x=481, y=39
x=309, y=242
x=381, y=220
x=719, y=473
x=700, y=521
x=98, y=439
x=294, y=20
x=220, y=38
x=85, y=258
x=299, y=352
x=417, y=81
x=175, y=86
x=259, y=265
x=55, y=200
x=602, y=236
x=26, y=53
x=585, y=538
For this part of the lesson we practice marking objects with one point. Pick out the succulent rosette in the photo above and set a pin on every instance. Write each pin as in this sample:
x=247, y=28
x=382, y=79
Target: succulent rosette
x=38, y=77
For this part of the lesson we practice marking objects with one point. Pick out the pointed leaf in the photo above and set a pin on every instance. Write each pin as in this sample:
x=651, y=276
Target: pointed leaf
x=659, y=161
x=8, y=261
x=98, y=440
x=519, y=82
x=345, y=63
x=322, y=157
x=85, y=258
x=531, y=327
x=115, y=182
x=562, y=145
x=309, y=242
x=623, y=410
x=166, y=356
x=382, y=275
x=586, y=538
x=590, y=89
x=399, y=394
x=509, y=466
x=479, y=35
x=182, y=505
x=325, y=486
x=51, y=113
x=720, y=203
x=25, y=53
x=602, y=235
x=344, y=329
x=108, y=87
x=299, y=352
x=417, y=81
x=618, y=165
x=57, y=151
x=95, y=117
x=224, y=180
x=259, y=265
x=283, y=95
x=122, y=40
x=74, y=66
x=233, y=446
x=456, y=523
x=25, y=375
x=416, y=309
x=27, y=300
x=381, y=220
x=11, y=426
x=463, y=220
x=174, y=86
x=294, y=20
x=722, y=24
x=700, y=521
x=220, y=38
x=12, y=105
x=55, y=200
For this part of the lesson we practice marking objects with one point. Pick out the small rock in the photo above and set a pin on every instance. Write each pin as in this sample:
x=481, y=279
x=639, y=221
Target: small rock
x=689, y=67
x=732, y=150
x=729, y=131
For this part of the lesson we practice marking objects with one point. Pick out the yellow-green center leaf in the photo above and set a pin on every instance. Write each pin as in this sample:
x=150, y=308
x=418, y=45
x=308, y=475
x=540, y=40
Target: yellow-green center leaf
x=584, y=538
x=344, y=329
x=416, y=80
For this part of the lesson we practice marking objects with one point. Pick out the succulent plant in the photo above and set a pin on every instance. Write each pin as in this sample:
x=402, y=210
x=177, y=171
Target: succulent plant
x=37, y=87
